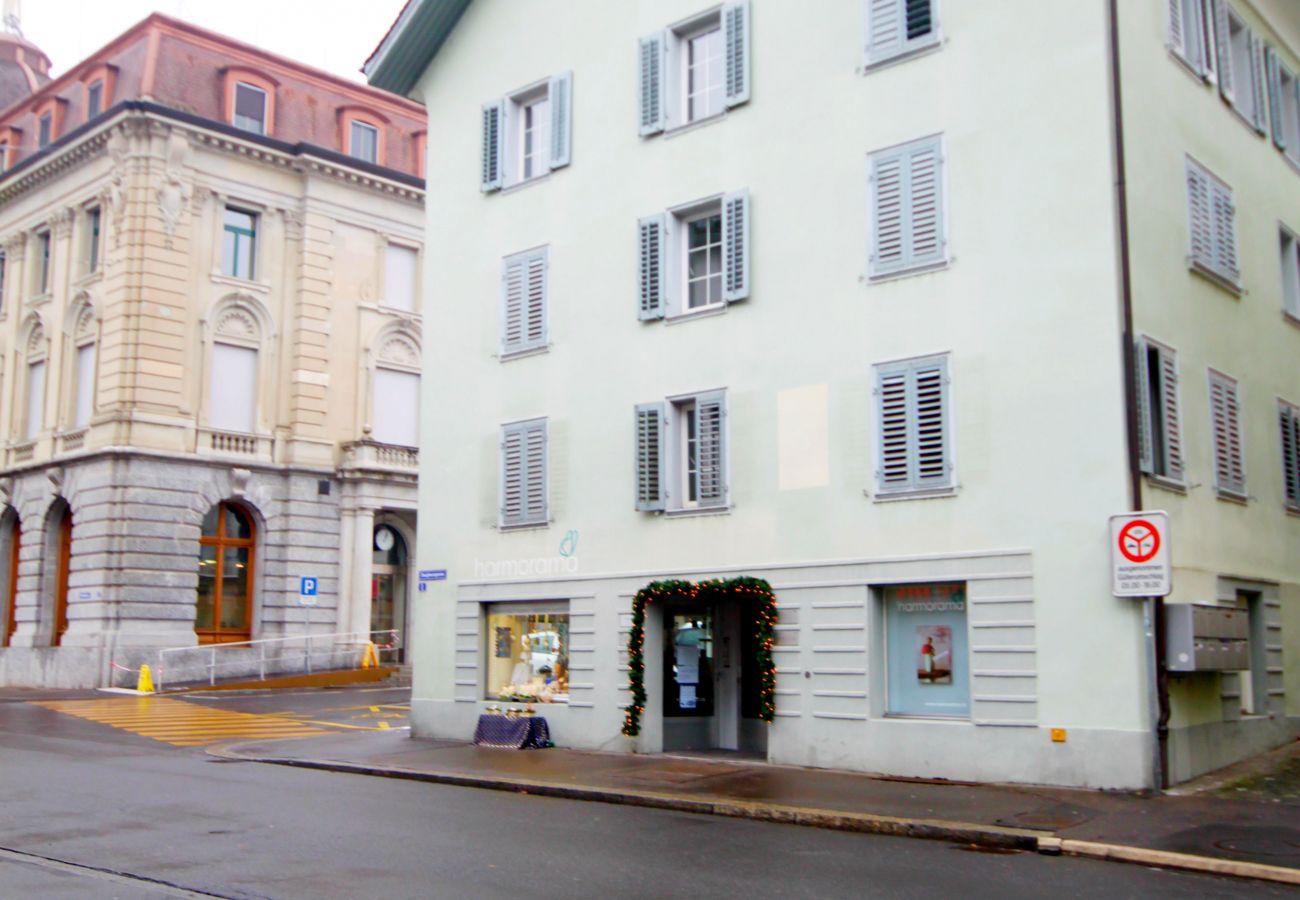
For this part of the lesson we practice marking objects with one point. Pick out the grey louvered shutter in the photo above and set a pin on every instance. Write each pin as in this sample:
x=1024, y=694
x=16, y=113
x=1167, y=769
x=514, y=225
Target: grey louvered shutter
x=650, y=84
x=535, y=469
x=893, y=471
x=651, y=263
x=1273, y=70
x=925, y=204
x=1289, y=422
x=513, y=288
x=710, y=415
x=885, y=29
x=929, y=402
x=560, y=95
x=1223, y=43
x=535, y=299
x=887, y=220
x=735, y=44
x=1225, y=232
x=1142, y=374
x=735, y=246
x=1200, y=216
x=1170, y=422
x=1178, y=28
x=493, y=149
x=512, y=475
x=1229, y=468
x=651, y=485
x=1258, y=83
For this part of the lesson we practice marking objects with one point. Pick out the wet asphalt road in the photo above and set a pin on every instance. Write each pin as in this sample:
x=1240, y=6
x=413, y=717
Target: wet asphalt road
x=90, y=811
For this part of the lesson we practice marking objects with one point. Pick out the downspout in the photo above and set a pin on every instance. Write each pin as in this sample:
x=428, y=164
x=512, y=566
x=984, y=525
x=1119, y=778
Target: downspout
x=1161, y=777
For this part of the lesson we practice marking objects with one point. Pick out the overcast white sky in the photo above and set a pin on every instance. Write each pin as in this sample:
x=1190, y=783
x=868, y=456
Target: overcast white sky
x=334, y=35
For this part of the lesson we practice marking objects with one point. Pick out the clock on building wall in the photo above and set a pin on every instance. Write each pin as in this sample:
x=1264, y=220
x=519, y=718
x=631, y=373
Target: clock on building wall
x=384, y=538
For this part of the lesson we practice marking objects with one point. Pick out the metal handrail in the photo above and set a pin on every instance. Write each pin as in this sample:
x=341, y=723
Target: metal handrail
x=261, y=644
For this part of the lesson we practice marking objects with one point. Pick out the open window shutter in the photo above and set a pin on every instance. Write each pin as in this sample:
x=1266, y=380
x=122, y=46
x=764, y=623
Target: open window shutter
x=561, y=99
x=1289, y=421
x=1225, y=232
x=1258, y=82
x=1223, y=43
x=535, y=492
x=493, y=145
x=887, y=213
x=1142, y=373
x=535, y=300
x=735, y=246
x=1170, y=426
x=886, y=29
x=650, y=266
x=650, y=84
x=651, y=494
x=735, y=27
x=924, y=197
x=1199, y=215
x=893, y=472
x=1229, y=471
x=930, y=424
x=513, y=288
x=1273, y=70
x=710, y=411
x=1177, y=28
x=512, y=475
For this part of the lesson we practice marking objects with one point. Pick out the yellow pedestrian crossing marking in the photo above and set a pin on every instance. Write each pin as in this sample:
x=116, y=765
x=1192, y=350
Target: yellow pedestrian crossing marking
x=179, y=723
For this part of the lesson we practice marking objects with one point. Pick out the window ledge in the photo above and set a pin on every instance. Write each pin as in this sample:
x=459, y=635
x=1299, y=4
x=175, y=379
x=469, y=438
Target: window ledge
x=923, y=48
x=1232, y=496
x=1168, y=484
x=920, y=717
x=509, y=355
x=1293, y=510
x=396, y=311
x=1241, y=117
x=896, y=274
x=524, y=526
x=703, y=312
x=40, y=299
x=520, y=185
x=694, y=124
x=90, y=277
x=260, y=286
x=1287, y=316
x=923, y=494
x=1215, y=277
x=692, y=512
x=1201, y=76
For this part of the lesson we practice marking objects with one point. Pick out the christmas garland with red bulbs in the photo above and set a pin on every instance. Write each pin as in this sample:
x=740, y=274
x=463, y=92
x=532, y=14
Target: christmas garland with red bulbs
x=745, y=589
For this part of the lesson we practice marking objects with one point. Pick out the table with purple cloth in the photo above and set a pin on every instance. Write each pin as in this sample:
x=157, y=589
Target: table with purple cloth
x=505, y=732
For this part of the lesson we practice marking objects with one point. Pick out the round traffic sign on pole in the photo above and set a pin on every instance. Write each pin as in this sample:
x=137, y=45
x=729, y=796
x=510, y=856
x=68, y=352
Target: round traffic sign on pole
x=1139, y=541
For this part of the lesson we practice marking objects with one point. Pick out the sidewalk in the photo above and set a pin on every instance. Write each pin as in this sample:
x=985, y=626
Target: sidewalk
x=1224, y=829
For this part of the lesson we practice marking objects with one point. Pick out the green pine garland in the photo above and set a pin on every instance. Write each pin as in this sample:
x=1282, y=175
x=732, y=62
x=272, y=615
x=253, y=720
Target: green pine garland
x=745, y=588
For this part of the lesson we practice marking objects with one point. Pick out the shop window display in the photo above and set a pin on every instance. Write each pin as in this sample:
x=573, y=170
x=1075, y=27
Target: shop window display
x=528, y=653
x=928, y=656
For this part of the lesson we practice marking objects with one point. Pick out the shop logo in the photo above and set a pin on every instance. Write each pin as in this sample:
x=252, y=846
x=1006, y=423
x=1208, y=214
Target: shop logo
x=569, y=545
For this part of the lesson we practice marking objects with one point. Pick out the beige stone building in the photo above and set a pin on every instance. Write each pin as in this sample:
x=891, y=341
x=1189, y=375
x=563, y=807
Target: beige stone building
x=209, y=354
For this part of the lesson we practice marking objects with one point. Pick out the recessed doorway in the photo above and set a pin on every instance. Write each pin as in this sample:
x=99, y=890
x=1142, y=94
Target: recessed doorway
x=388, y=601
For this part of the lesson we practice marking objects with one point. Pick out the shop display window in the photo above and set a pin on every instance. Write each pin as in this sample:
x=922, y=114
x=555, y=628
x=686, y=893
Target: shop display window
x=528, y=653
x=927, y=650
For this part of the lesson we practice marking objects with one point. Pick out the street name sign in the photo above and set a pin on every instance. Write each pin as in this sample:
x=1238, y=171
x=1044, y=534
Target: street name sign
x=1139, y=555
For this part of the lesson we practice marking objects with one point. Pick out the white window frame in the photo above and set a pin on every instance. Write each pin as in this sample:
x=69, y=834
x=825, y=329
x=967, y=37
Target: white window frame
x=234, y=109
x=676, y=439
x=708, y=24
x=503, y=133
x=353, y=127
x=35, y=390
x=914, y=487
x=683, y=219
x=255, y=239
x=1245, y=92
x=1288, y=93
x=664, y=63
x=876, y=54
x=1161, y=438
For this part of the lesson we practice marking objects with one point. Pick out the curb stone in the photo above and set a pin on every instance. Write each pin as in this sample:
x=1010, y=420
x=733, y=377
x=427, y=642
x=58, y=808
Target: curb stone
x=866, y=823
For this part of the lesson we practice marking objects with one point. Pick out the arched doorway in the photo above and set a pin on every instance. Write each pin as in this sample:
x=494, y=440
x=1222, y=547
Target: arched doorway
x=224, y=608
x=388, y=586
x=14, y=536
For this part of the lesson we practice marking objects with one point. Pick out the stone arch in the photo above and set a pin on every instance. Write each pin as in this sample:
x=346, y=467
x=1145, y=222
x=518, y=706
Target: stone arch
x=32, y=338
x=240, y=318
x=396, y=345
x=82, y=320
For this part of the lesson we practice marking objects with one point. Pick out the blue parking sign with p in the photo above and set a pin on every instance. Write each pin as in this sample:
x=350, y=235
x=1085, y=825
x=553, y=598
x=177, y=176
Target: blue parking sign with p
x=308, y=587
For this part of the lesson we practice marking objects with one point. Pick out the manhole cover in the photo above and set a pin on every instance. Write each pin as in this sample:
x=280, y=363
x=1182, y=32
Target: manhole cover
x=1237, y=841
x=1054, y=818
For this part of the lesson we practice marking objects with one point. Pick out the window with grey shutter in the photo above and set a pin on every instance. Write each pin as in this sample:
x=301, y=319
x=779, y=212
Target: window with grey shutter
x=710, y=410
x=651, y=484
x=1212, y=224
x=1223, y=47
x=735, y=246
x=735, y=44
x=651, y=273
x=1160, y=432
x=897, y=27
x=650, y=87
x=523, y=474
x=524, y=289
x=1289, y=423
x=493, y=148
x=1273, y=72
x=1258, y=79
x=913, y=428
x=1225, y=420
x=907, y=207
x=560, y=92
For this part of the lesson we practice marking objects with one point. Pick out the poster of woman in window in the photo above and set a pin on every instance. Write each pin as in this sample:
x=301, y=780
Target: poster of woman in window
x=934, y=654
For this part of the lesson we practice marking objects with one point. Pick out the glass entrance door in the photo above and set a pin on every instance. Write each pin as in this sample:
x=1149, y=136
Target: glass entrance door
x=388, y=592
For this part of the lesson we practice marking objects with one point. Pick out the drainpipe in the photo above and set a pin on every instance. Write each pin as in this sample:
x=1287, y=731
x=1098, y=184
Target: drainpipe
x=1156, y=612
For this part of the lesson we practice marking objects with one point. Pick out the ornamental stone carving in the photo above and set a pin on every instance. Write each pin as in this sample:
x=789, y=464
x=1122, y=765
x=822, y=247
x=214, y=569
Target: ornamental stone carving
x=400, y=350
x=174, y=195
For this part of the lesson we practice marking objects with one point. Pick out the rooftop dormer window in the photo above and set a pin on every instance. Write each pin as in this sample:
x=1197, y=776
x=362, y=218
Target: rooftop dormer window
x=250, y=108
